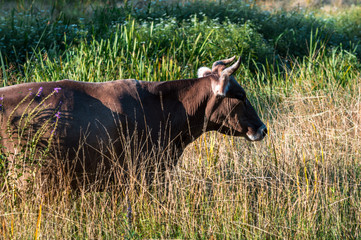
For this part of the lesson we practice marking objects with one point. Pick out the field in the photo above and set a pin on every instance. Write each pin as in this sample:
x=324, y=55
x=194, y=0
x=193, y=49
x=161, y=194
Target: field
x=301, y=70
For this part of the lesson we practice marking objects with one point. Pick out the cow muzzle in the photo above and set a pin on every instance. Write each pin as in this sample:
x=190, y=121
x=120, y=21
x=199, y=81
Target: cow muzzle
x=259, y=135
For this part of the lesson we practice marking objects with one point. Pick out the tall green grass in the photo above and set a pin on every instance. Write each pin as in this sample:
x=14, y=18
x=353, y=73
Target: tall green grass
x=301, y=182
x=267, y=36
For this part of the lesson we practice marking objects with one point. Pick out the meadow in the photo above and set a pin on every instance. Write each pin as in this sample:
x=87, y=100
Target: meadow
x=301, y=70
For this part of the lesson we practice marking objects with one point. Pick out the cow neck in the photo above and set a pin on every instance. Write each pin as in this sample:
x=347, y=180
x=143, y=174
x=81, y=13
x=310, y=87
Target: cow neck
x=192, y=93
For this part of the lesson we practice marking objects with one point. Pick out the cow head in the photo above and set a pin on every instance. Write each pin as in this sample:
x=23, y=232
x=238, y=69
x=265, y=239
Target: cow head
x=229, y=110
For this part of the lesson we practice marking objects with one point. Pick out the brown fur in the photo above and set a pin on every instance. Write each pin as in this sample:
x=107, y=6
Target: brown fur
x=96, y=120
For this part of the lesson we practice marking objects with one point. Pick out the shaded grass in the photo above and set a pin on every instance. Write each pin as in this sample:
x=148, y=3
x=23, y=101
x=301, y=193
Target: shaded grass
x=260, y=35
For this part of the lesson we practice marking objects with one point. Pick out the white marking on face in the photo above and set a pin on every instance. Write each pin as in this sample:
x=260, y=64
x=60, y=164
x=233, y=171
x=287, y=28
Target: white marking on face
x=218, y=90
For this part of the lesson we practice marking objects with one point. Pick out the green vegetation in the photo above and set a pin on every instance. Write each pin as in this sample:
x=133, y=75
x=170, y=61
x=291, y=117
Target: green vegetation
x=301, y=71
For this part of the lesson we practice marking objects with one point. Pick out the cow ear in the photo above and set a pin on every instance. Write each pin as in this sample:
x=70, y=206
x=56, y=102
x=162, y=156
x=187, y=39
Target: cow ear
x=203, y=71
x=221, y=87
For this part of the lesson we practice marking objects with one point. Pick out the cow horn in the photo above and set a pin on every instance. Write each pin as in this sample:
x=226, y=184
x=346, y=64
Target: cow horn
x=222, y=62
x=230, y=70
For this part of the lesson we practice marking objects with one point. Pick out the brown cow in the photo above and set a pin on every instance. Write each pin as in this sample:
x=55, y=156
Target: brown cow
x=103, y=122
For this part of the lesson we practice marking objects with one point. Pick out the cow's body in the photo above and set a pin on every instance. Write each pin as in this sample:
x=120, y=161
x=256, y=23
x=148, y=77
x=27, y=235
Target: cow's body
x=102, y=121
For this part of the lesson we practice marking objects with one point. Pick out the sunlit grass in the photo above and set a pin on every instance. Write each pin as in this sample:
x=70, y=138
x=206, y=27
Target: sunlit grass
x=301, y=182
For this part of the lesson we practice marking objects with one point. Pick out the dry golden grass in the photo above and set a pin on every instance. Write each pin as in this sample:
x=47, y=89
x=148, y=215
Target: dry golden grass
x=295, y=4
x=302, y=181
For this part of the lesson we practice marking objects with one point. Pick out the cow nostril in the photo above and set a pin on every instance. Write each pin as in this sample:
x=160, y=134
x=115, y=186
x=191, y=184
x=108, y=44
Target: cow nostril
x=264, y=132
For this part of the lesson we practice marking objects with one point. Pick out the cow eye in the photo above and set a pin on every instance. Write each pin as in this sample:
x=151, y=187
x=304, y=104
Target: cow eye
x=241, y=96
